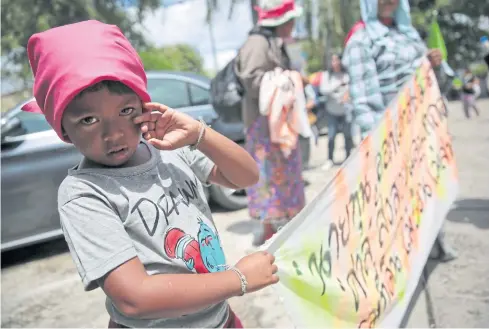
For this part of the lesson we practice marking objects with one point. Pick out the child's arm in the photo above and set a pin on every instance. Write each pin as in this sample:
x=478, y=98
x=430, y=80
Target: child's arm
x=106, y=256
x=139, y=295
x=234, y=168
x=167, y=129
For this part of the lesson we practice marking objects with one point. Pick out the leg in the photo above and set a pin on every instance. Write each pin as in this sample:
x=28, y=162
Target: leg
x=259, y=146
x=263, y=232
x=332, y=131
x=442, y=251
x=476, y=110
x=347, y=133
x=465, y=103
x=279, y=194
x=333, y=123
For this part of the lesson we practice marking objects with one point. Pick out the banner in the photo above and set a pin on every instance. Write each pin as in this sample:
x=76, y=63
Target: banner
x=353, y=257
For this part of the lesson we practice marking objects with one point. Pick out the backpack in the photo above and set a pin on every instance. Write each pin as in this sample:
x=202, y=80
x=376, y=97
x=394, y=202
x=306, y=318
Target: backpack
x=226, y=92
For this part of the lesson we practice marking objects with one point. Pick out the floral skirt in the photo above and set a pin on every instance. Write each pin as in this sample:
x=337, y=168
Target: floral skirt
x=279, y=193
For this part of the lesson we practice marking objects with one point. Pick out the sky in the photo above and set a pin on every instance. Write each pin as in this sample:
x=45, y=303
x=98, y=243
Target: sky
x=183, y=21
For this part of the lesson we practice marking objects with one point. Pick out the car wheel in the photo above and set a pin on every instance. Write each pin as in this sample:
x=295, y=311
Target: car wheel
x=230, y=201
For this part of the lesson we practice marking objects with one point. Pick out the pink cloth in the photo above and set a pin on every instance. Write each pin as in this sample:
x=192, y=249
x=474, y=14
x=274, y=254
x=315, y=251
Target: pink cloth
x=237, y=322
x=66, y=60
x=357, y=26
x=282, y=99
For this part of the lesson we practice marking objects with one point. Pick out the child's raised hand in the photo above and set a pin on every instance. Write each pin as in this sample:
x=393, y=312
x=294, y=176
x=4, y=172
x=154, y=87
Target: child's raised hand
x=167, y=129
x=259, y=270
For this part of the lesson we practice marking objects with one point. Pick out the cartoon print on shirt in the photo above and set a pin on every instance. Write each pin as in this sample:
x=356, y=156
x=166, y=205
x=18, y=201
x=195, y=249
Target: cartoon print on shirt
x=204, y=255
x=210, y=248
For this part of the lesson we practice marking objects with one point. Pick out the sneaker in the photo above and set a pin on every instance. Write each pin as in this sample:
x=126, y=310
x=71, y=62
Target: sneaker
x=327, y=165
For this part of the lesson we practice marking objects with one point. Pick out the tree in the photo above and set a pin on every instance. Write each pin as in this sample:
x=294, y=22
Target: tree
x=335, y=18
x=23, y=18
x=462, y=23
x=177, y=58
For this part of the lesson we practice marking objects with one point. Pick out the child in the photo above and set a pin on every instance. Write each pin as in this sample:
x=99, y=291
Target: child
x=133, y=211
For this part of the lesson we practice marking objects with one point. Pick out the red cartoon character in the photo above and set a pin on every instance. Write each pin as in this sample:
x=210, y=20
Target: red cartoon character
x=182, y=246
x=204, y=255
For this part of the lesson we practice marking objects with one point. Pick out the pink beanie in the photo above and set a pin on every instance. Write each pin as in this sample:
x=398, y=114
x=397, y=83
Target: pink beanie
x=66, y=60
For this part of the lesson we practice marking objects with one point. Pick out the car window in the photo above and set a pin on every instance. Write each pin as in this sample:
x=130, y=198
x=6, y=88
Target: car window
x=198, y=95
x=33, y=122
x=170, y=92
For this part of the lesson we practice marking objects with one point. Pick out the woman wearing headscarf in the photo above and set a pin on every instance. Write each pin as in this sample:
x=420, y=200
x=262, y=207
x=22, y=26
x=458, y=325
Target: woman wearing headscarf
x=380, y=58
x=279, y=194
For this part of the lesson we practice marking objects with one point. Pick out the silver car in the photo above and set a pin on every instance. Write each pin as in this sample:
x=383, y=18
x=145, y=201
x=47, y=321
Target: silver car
x=34, y=161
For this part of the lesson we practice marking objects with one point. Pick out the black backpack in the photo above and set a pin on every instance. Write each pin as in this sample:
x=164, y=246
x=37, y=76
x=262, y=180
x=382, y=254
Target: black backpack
x=227, y=92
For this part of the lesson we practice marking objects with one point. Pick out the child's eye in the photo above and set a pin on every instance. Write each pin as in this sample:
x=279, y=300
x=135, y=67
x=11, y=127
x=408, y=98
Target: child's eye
x=88, y=120
x=127, y=110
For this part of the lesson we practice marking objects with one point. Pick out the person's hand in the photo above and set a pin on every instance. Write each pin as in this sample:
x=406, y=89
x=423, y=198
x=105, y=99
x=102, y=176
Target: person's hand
x=259, y=270
x=310, y=105
x=167, y=129
x=435, y=57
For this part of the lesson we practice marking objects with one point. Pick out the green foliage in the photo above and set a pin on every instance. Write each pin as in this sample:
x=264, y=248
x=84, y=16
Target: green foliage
x=22, y=18
x=315, y=55
x=334, y=20
x=479, y=69
x=461, y=23
x=178, y=58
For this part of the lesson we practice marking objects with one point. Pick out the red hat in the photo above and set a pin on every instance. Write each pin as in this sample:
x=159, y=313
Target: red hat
x=272, y=13
x=66, y=60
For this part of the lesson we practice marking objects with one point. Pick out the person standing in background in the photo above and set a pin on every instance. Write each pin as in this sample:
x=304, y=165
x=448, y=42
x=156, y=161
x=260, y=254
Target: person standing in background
x=279, y=194
x=379, y=59
x=334, y=85
x=470, y=88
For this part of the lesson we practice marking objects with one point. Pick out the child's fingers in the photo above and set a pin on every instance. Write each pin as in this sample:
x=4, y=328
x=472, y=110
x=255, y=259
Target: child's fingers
x=275, y=279
x=155, y=107
x=147, y=117
x=272, y=258
x=160, y=144
x=148, y=126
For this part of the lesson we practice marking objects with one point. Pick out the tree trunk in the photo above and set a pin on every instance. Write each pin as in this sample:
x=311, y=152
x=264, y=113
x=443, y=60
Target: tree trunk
x=254, y=14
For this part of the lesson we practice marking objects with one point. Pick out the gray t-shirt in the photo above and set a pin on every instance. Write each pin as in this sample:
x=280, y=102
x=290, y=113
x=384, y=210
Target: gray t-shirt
x=334, y=86
x=156, y=211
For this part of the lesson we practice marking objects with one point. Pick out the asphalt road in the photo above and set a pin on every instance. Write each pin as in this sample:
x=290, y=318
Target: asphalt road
x=459, y=290
x=40, y=287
